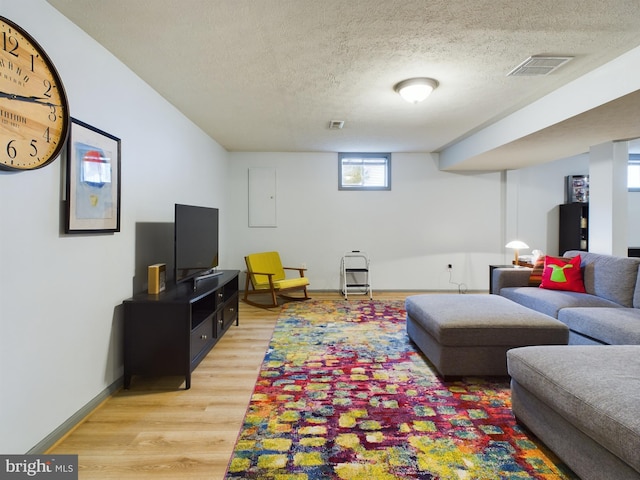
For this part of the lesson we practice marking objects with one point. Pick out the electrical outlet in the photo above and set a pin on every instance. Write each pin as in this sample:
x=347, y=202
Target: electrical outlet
x=449, y=266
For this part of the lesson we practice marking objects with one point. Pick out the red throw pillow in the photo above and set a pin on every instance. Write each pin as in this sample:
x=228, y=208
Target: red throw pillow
x=562, y=274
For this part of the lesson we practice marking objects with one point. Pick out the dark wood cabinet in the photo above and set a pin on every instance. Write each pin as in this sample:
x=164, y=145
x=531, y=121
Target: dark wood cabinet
x=574, y=227
x=171, y=332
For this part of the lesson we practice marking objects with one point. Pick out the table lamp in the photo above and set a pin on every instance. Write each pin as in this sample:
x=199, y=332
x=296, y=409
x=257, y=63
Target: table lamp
x=516, y=245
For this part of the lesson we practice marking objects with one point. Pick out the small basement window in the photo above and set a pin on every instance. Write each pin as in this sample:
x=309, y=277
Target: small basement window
x=364, y=171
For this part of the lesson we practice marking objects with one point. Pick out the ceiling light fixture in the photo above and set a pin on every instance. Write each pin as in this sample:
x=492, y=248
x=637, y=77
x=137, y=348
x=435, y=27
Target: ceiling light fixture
x=415, y=90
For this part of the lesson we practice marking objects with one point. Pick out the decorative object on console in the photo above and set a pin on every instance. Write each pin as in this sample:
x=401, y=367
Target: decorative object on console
x=157, y=278
x=93, y=180
x=562, y=274
x=35, y=114
x=516, y=245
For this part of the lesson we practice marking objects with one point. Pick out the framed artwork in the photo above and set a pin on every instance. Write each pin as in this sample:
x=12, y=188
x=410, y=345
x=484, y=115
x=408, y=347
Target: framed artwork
x=92, y=180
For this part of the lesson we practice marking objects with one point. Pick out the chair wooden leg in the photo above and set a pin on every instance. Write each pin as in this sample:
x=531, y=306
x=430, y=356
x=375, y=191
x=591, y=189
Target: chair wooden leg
x=296, y=298
x=273, y=304
x=248, y=292
x=259, y=305
x=246, y=289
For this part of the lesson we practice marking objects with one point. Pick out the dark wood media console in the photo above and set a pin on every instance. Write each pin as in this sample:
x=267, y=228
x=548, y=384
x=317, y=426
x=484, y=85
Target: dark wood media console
x=171, y=332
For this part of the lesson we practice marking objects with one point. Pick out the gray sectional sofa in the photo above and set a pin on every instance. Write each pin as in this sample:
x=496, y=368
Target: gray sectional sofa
x=608, y=314
x=583, y=400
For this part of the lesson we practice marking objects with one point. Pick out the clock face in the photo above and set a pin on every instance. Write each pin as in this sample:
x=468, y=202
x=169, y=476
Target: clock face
x=34, y=112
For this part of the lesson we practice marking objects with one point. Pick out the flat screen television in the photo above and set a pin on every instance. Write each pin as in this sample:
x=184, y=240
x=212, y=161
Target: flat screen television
x=196, y=242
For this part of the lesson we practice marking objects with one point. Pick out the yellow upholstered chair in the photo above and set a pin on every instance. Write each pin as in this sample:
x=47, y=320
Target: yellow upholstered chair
x=266, y=275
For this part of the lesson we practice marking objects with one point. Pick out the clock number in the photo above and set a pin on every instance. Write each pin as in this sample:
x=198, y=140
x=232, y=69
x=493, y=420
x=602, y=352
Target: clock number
x=46, y=135
x=9, y=44
x=11, y=150
x=52, y=114
x=47, y=92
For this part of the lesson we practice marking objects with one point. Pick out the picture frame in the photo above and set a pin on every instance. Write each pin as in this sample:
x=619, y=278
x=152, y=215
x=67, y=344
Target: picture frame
x=92, y=180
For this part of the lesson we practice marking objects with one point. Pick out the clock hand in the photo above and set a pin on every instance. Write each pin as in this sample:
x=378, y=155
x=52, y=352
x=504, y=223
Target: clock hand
x=31, y=99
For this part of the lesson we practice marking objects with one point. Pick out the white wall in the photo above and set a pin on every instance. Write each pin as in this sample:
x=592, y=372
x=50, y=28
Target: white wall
x=609, y=198
x=429, y=219
x=61, y=332
x=634, y=219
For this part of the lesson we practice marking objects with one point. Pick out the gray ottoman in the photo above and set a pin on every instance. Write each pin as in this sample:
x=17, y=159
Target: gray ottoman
x=470, y=334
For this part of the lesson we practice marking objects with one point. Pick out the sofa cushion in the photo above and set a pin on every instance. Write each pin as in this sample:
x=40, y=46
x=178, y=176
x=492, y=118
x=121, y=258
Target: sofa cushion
x=614, y=326
x=610, y=277
x=550, y=301
x=596, y=389
x=562, y=274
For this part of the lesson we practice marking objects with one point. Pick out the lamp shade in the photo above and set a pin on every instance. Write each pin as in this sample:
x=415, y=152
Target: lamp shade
x=517, y=244
x=415, y=90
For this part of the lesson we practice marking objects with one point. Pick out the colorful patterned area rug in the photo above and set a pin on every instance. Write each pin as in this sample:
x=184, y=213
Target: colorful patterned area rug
x=344, y=394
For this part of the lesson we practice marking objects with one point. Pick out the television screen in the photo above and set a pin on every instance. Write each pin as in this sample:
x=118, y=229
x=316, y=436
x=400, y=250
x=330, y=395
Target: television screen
x=196, y=241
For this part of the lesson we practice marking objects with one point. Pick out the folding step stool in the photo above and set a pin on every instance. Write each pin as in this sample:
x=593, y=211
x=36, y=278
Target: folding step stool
x=354, y=274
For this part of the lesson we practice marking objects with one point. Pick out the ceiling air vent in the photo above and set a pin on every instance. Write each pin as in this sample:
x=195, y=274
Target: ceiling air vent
x=336, y=124
x=537, y=66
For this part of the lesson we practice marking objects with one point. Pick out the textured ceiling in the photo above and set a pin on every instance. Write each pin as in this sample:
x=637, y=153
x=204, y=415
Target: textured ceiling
x=269, y=75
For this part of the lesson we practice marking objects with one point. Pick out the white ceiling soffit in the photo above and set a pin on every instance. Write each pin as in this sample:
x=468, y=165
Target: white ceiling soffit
x=270, y=75
x=603, y=100
x=618, y=120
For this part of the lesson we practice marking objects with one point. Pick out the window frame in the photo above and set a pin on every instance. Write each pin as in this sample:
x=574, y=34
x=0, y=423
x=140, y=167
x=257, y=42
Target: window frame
x=634, y=160
x=364, y=156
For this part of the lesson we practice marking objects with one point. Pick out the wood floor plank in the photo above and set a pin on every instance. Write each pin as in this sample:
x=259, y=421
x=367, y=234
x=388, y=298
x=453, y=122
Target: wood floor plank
x=159, y=430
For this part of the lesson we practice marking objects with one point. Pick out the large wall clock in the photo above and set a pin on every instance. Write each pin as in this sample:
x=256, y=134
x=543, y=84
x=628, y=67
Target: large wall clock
x=34, y=111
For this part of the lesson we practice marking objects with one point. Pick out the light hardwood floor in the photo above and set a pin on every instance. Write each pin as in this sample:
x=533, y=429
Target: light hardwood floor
x=157, y=429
